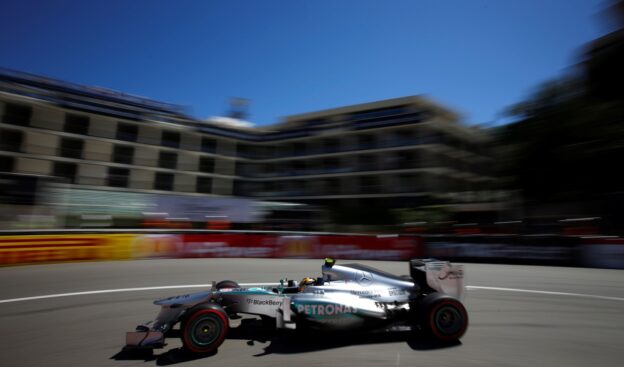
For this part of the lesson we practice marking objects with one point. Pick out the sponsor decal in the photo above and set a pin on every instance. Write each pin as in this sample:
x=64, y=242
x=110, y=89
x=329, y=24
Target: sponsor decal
x=367, y=294
x=182, y=297
x=225, y=290
x=396, y=292
x=264, y=302
x=325, y=310
x=451, y=274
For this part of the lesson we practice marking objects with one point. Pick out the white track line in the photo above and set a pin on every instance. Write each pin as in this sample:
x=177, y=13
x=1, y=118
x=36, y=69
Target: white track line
x=470, y=287
x=58, y=295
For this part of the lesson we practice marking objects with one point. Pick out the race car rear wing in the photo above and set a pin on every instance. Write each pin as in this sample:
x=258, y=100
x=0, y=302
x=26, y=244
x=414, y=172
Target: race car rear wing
x=440, y=276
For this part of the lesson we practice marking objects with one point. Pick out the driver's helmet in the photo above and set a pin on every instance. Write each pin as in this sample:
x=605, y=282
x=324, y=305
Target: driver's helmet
x=305, y=282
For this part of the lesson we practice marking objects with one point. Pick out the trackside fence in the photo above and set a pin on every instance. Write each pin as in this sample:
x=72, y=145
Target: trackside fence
x=86, y=245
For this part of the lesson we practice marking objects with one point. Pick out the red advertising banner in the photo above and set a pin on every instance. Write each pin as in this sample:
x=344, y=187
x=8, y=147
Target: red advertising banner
x=227, y=245
x=389, y=247
x=300, y=246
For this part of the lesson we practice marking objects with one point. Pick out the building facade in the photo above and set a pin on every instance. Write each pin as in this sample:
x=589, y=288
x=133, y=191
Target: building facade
x=404, y=152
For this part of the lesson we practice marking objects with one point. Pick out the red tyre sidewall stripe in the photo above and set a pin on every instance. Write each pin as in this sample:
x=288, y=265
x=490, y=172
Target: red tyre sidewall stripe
x=217, y=342
x=432, y=324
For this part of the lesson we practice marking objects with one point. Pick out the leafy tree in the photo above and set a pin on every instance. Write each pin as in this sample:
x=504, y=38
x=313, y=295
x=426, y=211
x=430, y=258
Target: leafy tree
x=568, y=139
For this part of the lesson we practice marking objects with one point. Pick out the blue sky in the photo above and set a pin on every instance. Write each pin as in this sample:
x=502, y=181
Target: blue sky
x=295, y=56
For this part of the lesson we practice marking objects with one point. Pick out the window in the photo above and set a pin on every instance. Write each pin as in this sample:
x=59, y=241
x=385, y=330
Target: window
x=331, y=146
x=280, y=151
x=245, y=169
x=17, y=114
x=127, y=132
x=407, y=159
x=404, y=137
x=6, y=163
x=206, y=164
x=243, y=150
x=242, y=188
x=366, y=142
x=11, y=140
x=167, y=160
x=407, y=183
x=204, y=185
x=381, y=112
x=208, y=145
x=331, y=186
x=123, y=154
x=369, y=185
x=71, y=148
x=118, y=177
x=314, y=122
x=299, y=148
x=65, y=170
x=269, y=170
x=170, y=139
x=331, y=164
x=299, y=168
x=163, y=181
x=238, y=188
x=268, y=187
x=77, y=124
x=19, y=189
x=367, y=162
x=268, y=152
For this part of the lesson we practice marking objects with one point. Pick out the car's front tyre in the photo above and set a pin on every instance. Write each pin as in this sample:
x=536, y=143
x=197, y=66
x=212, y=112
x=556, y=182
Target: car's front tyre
x=205, y=328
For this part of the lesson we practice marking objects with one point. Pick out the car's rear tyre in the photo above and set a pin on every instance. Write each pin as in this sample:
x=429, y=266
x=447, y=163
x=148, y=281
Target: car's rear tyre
x=205, y=328
x=443, y=317
x=226, y=284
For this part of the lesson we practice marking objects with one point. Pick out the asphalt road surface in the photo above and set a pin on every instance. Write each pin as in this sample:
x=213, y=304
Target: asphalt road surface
x=519, y=316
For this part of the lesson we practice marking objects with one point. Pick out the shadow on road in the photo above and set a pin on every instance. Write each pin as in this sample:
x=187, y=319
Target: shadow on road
x=287, y=342
x=172, y=356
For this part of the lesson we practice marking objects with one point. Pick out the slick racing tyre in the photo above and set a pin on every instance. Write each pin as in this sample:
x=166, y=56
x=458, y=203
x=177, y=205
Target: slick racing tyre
x=205, y=328
x=226, y=284
x=443, y=317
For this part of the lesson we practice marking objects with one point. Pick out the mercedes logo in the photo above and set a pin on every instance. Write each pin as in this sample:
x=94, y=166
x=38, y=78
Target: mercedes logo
x=364, y=278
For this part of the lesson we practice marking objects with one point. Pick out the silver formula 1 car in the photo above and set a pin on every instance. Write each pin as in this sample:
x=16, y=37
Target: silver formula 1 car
x=345, y=297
